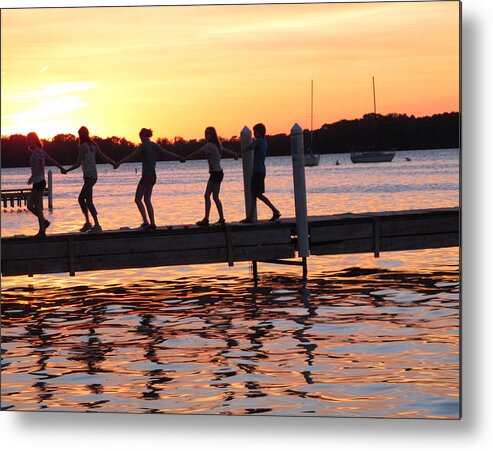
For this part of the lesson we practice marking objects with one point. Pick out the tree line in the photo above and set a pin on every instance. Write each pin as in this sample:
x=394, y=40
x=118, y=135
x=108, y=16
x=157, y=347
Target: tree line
x=383, y=132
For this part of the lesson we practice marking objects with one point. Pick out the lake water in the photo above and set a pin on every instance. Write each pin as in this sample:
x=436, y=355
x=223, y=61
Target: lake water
x=362, y=337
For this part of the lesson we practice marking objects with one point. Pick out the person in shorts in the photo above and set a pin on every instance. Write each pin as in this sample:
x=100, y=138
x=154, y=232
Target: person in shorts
x=88, y=150
x=257, y=183
x=35, y=200
x=148, y=151
x=212, y=150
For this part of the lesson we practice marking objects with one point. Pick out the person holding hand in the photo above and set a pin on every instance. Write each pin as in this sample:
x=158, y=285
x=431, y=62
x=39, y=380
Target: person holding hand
x=257, y=183
x=35, y=199
x=213, y=150
x=149, y=152
x=88, y=150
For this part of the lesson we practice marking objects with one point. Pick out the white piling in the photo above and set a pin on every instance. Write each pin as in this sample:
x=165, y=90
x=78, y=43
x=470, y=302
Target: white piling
x=50, y=190
x=247, y=161
x=298, y=157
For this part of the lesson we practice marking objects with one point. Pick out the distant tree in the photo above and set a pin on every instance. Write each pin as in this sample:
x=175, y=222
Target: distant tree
x=14, y=151
x=63, y=147
x=385, y=131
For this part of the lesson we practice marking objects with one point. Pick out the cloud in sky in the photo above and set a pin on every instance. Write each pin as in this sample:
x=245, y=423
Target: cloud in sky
x=46, y=103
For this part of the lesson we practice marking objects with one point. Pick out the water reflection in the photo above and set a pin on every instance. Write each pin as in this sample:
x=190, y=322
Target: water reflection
x=358, y=342
x=364, y=341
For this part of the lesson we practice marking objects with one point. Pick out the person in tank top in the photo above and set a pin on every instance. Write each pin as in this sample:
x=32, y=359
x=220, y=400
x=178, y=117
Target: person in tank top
x=37, y=162
x=212, y=150
x=88, y=150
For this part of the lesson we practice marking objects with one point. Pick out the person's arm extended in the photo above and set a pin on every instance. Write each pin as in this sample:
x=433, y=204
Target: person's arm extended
x=127, y=158
x=56, y=163
x=230, y=152
x=105, y=157
x=196, y=152
x=171, y=154
x=77, y=163
x=248, y=148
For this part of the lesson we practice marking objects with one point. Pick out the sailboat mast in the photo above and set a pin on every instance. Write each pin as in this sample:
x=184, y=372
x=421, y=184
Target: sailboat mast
x=374, y=98
x=311, y=122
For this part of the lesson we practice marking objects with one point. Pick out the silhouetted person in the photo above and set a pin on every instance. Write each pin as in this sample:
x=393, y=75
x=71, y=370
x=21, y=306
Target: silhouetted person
x=257, y=184
x=149, y=152
x=88, y=150
x=35, y=200
x=212, y=150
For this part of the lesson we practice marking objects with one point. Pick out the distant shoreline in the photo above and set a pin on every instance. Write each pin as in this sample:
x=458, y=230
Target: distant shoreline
x=396, y=132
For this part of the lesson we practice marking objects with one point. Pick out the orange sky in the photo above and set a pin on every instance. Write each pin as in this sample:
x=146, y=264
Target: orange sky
x=180, y=69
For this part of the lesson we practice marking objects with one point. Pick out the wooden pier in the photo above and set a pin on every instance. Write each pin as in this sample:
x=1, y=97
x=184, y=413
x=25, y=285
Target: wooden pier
x=18, y=197
x=262, y=242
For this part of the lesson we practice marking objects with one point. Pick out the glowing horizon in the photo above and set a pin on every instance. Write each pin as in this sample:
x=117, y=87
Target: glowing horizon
x=180, y=69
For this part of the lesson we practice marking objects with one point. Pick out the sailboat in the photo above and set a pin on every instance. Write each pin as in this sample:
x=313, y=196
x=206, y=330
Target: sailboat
x=311, y=159
x=372, y=155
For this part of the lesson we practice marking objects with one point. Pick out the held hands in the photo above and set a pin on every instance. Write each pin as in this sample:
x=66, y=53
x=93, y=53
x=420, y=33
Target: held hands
x=116, y=165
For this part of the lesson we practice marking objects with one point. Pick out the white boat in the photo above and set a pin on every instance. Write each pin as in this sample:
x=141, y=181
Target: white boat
x=311, y=159
x=372, y=155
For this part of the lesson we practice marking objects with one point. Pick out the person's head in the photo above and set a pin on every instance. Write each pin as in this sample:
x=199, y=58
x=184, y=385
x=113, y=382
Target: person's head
x=33, y=141
x=259, y=130
x=211, y=136
x=145, y=134
x=84, y=135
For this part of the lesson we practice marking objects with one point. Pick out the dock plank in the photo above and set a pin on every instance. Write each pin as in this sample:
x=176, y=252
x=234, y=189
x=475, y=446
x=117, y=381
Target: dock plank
x=184, y=245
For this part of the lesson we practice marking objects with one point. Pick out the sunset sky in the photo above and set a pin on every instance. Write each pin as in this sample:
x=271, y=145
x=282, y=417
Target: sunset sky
x=180, y=69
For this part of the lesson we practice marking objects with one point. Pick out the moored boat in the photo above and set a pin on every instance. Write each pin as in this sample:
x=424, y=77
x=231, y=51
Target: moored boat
x=372, y=157
x=311, y=159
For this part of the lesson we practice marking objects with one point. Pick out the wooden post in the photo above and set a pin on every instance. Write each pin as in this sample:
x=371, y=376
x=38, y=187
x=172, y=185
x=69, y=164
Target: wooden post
x=298, y=157
x=229, y=245
x=305, y=268
x=71, y=256
x=376, y=237
x=50, y=190
x=255, y=271
x=247, y=162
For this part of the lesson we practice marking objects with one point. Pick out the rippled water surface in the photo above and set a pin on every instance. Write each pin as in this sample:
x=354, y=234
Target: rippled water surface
x=363, y=337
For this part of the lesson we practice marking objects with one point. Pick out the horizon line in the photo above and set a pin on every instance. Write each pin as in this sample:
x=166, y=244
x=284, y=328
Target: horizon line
x=238, y=135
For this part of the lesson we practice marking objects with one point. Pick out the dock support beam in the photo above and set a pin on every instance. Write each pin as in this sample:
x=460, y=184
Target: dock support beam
x=50, y=190
x=376, y=237
x=255, y=271
x=303, y=263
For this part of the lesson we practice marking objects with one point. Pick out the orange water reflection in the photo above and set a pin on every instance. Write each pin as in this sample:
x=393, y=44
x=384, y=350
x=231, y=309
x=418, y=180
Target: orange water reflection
x=343, y=344
x=378, y=338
